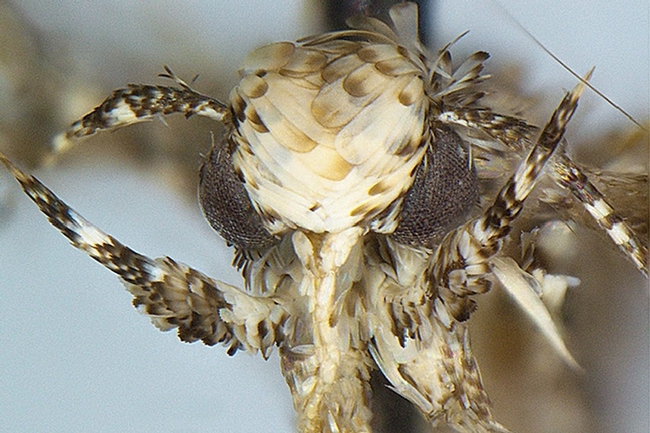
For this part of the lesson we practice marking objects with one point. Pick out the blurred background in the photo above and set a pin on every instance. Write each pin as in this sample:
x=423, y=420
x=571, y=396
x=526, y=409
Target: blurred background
x=76, y=357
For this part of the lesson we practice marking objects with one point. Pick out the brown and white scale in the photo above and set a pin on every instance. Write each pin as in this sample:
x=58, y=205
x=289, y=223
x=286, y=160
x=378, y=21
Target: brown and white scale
x=371, y=197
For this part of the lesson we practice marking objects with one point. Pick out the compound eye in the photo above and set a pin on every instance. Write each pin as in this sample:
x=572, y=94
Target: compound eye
x=443, y=192
x=226, y=204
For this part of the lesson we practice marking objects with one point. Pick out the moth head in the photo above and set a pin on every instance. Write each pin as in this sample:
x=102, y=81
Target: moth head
x=330, y=133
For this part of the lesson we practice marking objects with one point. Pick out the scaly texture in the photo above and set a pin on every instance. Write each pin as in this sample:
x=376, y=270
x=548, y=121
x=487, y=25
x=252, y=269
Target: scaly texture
x=332, y=145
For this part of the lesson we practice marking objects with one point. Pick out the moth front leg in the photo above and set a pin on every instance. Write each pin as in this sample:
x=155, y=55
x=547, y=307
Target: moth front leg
x=172, y=294
x=461, y=265
x=436, y=369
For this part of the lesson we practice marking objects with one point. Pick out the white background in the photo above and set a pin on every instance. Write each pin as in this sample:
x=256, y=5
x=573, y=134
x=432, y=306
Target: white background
x=75, y=357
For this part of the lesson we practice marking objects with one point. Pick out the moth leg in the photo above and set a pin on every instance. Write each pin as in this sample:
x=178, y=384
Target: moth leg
x=139, y=102
x=172, y=294
x=461, y=267
x=572, y=177
x=461, y=264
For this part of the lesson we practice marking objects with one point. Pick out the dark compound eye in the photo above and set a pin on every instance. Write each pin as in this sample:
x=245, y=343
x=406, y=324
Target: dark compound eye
x=443, y=192
x=226, y=204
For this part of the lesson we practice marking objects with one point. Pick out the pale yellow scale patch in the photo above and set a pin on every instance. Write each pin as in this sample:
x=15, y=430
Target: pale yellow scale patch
x=282, y=110
x=304, y=62
x=269, y=57
x=326, y=163
x=89, y=235
x=385, y=124
x=122, y=114
x=619, y=234
x=253, y=86
x=331, y=138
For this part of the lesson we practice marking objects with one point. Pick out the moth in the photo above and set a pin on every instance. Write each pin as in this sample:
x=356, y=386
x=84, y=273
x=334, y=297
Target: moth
x=355, y=257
